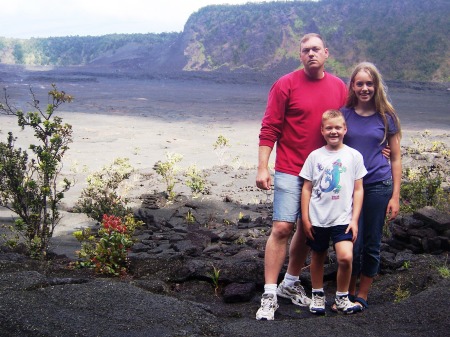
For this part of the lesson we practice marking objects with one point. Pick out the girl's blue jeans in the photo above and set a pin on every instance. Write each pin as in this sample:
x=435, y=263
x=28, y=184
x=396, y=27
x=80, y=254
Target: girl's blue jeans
x=366, y=250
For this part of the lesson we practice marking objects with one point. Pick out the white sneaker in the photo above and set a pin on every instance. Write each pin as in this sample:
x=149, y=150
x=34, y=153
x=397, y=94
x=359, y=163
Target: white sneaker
x=268, y=307
x=344, y=305
x=296, y=293
x=317, y=305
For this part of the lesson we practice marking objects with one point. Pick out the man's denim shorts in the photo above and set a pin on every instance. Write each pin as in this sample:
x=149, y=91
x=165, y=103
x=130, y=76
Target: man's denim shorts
x=286, y=198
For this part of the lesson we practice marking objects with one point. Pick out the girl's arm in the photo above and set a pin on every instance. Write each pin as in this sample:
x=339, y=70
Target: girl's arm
x=396, y=167
x=305, y=200
x=358, y=195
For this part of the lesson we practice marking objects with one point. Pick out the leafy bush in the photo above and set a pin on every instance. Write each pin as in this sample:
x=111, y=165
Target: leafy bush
x=221, y=147
x=401, y=293
x=422, y=186
x=29, y=184
x=196, y=181
x=107, y=252
x=422, y=143
x=102, y=196
x=444, y=271
x=167, y=170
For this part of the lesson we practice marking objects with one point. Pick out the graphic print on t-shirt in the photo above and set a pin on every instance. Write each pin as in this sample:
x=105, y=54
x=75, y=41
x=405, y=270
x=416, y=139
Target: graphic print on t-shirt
x=329, y=180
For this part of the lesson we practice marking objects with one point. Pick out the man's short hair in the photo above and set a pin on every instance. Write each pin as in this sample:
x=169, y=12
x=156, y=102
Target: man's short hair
x=306, y=37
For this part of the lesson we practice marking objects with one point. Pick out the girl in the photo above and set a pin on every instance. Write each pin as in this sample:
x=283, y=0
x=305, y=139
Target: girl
x=372, y=123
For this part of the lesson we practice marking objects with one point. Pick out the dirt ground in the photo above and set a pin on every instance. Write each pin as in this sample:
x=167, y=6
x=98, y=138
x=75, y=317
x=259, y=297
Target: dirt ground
x=143, y=120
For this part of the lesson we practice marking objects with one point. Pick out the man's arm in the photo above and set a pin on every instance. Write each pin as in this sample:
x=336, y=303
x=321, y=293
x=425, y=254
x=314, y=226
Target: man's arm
x=263, y=177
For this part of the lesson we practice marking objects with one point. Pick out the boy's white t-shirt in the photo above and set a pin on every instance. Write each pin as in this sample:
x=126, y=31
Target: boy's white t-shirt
x=333, y=175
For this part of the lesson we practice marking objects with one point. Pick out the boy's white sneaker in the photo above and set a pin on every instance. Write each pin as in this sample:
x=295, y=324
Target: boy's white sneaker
x=318, y=302
x=268, y=307
x=344, y=305
x=296, y=293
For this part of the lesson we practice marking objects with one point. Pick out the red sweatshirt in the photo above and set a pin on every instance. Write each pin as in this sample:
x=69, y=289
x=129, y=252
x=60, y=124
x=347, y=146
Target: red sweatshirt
x=294, y=114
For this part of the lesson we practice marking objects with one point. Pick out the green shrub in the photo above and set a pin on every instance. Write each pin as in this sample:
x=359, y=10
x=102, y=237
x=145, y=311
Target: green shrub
x=30, y=184
x=102, y=196
x=195, y=181
x=443, y=269
x=9, y=240
x=401, y=294
x=422, y=186
x=190, y=218
x=422, y=143
x=221, y=147
x=107, y=252
x=167, y=170
x=215, y=276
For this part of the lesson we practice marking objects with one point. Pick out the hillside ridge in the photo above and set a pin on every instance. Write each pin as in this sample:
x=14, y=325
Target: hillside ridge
x=407, y=39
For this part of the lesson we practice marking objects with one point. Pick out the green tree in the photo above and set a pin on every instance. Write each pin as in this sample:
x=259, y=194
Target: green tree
x=18, y=53
x=29, y=185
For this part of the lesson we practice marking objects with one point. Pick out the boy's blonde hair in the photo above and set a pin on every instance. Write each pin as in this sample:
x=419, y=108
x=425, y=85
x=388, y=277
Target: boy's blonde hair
x=332, y=113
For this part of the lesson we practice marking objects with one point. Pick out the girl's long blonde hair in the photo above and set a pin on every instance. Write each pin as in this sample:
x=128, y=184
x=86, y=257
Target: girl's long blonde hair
x=380, y=98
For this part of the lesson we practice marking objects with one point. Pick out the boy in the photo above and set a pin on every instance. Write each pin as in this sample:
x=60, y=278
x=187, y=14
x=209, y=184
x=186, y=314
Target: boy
x=331, y=202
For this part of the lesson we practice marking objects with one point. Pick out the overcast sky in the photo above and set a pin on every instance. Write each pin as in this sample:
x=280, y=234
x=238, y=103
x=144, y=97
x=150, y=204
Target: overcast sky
x=44, y=18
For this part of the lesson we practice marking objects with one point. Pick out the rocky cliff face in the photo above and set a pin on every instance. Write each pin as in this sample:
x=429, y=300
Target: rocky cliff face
x=407, y=39
x=265, y=36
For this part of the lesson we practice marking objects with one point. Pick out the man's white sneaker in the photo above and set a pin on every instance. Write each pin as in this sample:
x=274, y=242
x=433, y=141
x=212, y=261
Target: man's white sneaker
x=317, y=305
x=268, y=307
x=296, y=293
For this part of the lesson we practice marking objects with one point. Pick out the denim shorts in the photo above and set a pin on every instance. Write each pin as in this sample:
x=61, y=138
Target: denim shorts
x=322, y=236
x=286, y=197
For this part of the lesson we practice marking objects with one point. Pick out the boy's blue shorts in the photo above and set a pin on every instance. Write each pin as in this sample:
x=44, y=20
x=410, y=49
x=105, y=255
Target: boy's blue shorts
x=322, y=236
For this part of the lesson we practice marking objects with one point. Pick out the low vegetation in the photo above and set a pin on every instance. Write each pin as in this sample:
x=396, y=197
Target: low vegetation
x=443, y=268
x=31, y=187
x=167, y=170
x=30, y=183
x=107, y=251
x=196, y=181
x=102, y=194
x=215, y=277
x=221, y=147
x=426, y=184
x=401, y=292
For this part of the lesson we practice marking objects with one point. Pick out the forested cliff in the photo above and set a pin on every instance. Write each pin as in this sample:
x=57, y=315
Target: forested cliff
x=407, y=39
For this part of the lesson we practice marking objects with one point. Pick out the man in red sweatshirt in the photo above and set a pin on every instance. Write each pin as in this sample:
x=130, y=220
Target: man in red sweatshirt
x=292, y=121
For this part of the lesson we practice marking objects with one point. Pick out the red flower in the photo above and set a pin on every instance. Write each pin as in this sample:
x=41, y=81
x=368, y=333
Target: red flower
x=112, y=223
